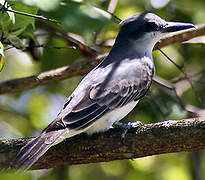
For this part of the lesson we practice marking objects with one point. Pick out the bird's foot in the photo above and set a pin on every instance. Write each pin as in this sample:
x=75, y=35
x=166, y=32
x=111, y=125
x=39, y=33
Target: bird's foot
x=126, y=127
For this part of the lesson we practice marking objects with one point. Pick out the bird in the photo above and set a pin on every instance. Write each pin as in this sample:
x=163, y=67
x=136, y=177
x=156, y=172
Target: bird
x=109, y=91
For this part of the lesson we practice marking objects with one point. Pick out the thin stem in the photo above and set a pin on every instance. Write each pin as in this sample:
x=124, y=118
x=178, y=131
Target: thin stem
x=185, y=75
x=172, y=88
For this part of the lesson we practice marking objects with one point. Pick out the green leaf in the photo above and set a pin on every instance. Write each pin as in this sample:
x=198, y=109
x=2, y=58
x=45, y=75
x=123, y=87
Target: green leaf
x=16, y=25
x=2, y=57
x=80, y=18
x=17, y=32
x=11, y=14
x=24, y=21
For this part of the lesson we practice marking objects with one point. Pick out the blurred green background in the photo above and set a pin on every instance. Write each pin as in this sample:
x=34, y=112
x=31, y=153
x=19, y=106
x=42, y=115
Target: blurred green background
x=27, y=113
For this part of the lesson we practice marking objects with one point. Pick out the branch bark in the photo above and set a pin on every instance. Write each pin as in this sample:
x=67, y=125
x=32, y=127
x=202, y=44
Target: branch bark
x=53, y=76
x=45, y=78
x=144, y=140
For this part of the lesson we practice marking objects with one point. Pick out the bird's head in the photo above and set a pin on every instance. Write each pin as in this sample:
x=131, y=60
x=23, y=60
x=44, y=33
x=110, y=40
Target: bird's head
x=148, y=27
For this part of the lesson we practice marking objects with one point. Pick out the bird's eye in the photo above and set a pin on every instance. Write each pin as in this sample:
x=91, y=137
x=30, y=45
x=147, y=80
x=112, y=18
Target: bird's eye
x=153, y=25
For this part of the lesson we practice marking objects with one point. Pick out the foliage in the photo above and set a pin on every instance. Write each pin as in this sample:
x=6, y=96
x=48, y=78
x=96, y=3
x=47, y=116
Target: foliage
x=26, y=113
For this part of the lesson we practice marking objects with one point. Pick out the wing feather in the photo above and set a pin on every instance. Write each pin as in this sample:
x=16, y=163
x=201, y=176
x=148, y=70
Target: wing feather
x=83, y=122
x=88, y=105
x=76, y=116
x=102, y=101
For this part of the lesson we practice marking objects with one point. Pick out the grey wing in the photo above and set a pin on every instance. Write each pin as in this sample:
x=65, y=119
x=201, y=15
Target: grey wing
x=120, y=93
x=98, y=99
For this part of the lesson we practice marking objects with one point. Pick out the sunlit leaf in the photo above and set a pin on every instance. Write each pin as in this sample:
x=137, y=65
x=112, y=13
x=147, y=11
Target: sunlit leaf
x=2, y=57
x=11, y=14
x=23, y=21
x=45, y=5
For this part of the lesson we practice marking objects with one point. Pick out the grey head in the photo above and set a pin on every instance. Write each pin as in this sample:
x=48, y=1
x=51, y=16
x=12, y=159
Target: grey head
x=145, y=29
x=139, y=25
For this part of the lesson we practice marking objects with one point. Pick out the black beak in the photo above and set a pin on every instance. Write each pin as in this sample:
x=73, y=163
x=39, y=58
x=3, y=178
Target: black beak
x=176, y=26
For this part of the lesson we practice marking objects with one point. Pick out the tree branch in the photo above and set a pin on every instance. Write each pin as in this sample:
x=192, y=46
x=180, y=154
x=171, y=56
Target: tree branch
x=53, y=76
x=144, y=140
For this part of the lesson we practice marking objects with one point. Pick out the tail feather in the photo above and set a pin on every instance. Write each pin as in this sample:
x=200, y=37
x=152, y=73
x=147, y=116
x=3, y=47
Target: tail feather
x=32, y=151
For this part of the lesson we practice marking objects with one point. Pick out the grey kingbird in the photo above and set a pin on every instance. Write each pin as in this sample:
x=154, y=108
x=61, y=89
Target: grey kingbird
x=109, y=91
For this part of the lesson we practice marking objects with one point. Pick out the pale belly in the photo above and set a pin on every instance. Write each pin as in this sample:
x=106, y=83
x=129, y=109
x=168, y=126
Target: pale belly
x=106, y=121
x=102, y=124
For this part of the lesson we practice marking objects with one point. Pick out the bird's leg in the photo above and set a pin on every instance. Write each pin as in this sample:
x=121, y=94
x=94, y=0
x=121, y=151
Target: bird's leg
x=126, y=127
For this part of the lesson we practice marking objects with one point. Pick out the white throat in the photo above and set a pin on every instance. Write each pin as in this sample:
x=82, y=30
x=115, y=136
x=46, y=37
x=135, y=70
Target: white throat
x=144, y=46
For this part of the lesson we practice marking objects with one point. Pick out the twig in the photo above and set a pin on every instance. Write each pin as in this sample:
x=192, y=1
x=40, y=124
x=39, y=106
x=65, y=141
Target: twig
x=40, y=46
x=185, y=75
x=113, y=15
x=5, y=7
x=171, y=87
x=190, y=76
x=32, y=15
x=144, y=140
x=87, y=50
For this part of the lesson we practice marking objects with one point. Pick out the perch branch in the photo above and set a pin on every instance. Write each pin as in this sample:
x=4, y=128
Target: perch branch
x=144, y=140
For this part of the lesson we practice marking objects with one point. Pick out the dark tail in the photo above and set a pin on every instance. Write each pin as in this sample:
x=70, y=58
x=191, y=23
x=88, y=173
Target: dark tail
x=32, y=151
